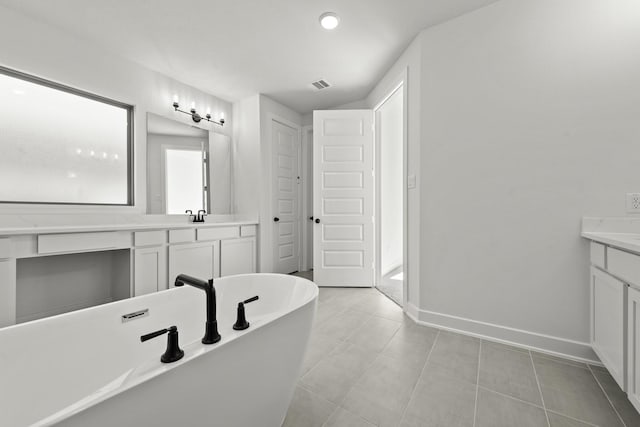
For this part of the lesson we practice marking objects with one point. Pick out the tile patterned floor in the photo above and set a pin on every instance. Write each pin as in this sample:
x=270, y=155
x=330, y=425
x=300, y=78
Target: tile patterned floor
x=369, y=365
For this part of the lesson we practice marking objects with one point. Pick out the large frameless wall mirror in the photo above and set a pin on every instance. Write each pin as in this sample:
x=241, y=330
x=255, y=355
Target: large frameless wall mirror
x=59, y=145
x=188, y=167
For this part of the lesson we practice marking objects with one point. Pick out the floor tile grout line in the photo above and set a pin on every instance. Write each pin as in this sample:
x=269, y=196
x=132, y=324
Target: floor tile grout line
x=512, y=397
x=320, y=360
x=413, y=392
x=562, y=360
x=607, y=396
x=475, y=405
x=357, y=381
x=572, y=418
x=337, y=408
x=535, y=374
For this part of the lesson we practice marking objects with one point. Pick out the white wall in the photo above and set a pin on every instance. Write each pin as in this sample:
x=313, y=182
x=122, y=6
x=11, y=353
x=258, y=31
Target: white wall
x=246, y=152
x=390, y=123
x=528, y=121
x=47, y=52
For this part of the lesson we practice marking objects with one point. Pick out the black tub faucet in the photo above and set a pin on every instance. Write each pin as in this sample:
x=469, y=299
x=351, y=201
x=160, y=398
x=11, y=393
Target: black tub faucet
x=211, y=335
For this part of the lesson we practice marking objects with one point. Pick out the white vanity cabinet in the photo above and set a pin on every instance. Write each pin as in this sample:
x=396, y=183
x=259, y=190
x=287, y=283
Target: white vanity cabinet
x=633, y=348
x=238, y=256
x=149, y=262
x=608, y=322
x=7, y=292
x=195, y=259
x=83, y=266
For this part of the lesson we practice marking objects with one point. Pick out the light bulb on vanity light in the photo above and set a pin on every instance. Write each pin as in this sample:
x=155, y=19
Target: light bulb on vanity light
x=194, y=114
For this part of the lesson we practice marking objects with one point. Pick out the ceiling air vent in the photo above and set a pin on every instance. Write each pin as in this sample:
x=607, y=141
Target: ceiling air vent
x=321, y=84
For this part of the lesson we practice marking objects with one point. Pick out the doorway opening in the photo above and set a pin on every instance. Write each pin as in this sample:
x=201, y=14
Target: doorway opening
x=389, y=117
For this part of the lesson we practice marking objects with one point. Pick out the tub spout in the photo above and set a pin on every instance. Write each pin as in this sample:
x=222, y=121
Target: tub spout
x=211, y=335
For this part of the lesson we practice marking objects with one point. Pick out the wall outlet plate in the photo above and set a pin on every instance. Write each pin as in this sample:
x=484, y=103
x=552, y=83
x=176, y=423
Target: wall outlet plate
x=633, y=203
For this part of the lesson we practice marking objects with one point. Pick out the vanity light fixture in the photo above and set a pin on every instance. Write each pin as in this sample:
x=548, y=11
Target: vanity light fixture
x=329, y=20
x=195, y=116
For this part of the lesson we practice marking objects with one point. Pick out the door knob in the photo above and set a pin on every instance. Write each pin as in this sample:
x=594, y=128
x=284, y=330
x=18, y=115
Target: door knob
x=276, y=219
x=310, y=218
x=317, y=220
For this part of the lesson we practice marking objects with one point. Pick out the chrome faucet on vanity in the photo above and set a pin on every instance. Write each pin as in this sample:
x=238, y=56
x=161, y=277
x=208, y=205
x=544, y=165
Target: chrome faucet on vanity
x=211, y=335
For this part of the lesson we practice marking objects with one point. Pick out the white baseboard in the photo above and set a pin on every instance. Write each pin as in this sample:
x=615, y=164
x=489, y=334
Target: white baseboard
x=575, y=350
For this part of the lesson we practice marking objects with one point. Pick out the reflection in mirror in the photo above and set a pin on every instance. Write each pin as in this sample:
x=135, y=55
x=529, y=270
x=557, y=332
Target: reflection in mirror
x=187, y=168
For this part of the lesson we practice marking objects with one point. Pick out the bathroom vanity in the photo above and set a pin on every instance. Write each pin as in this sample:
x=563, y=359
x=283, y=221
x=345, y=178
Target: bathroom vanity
x=52, y=269
x=615, y=298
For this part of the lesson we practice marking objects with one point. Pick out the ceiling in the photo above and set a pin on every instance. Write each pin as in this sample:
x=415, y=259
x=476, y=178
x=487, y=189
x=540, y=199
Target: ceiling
x=236, y=48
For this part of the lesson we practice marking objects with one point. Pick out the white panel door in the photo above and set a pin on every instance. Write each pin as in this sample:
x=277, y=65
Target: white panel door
x=343, y=238
x=286, y=227
x=608, y=327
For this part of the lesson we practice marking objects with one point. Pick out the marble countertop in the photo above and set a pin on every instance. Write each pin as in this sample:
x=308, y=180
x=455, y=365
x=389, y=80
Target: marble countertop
x=51, y=224
x=627, y=241
x=623, y=233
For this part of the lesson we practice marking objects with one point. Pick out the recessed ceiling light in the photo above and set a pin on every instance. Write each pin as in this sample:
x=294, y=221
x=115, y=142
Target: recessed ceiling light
x=329, y=20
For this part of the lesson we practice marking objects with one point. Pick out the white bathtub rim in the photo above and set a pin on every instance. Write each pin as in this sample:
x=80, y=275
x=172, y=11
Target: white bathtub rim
x=192, y=351
x=151, y=295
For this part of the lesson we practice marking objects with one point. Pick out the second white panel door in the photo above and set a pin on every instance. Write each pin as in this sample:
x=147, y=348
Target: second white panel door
x=286, y=226
x=343, y=198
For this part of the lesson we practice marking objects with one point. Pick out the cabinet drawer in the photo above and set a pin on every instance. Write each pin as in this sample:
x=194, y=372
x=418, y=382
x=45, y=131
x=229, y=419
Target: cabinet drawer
x=81, y=242
x=247, y=230
x=149, y=238
x=182, y=236
x=218, y=233
x=624, y=265
x=5, y=248
x=598, y=254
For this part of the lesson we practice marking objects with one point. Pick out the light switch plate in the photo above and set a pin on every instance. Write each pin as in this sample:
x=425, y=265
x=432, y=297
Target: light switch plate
x=633, y=203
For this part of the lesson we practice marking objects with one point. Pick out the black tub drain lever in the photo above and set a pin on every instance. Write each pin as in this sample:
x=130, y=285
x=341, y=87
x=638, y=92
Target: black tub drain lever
x=241, y=321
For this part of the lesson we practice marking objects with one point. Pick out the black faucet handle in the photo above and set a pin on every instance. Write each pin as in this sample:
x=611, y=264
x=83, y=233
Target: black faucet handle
x=147, y=337
x=252, y=299
x=241, y=322
x=173, y=352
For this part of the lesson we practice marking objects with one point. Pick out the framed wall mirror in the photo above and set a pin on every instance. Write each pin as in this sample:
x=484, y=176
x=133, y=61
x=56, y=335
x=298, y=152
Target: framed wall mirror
x=62, y=145
x=188, y=167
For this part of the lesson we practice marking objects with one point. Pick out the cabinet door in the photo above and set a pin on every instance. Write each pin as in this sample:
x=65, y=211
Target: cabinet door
x=633, y=343
x=149, y=270
x=238, y=256
x=195, y=259
x=608, y=323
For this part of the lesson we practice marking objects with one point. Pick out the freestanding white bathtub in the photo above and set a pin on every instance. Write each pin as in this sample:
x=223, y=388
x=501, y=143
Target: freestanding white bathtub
x=88, y=368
